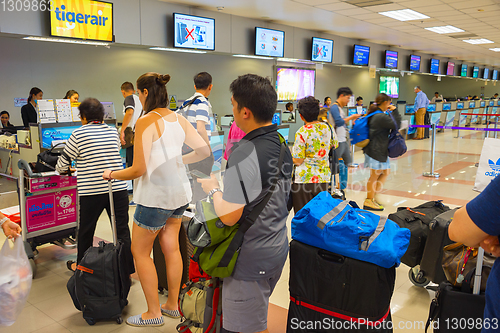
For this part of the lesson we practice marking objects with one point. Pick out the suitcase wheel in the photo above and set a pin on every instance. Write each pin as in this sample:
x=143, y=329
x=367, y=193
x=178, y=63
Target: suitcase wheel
x=119, y=320
x=417, y=280
x=90, y=321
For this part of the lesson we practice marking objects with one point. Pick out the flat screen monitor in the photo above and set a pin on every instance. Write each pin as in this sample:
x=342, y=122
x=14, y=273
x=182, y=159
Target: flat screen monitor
x=463, y=71
x=270, y=43
x=361, y=55
x=389, y=85
x=460, y=105
x=475, y=72
x=194, y=32
x=322, y=49
x=450, y=70
x=431, y=107
x=491, y=103
x=446, y=106
x=409, y=109
x=434, y=66
x=482, y=104
x=84, y=19
x=415, y=63
x=391, y=59
x=486, y=73
x=294, y=83
x=277, y=118
x=495, y=75
x=472, y=105
x=351, y=111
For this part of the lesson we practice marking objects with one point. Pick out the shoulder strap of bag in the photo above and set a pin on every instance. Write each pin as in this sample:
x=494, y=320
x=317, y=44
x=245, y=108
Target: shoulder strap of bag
x=394, y=120
x=254, y=214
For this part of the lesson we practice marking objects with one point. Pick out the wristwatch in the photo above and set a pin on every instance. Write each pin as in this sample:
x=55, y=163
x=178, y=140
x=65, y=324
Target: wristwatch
x=212, y=192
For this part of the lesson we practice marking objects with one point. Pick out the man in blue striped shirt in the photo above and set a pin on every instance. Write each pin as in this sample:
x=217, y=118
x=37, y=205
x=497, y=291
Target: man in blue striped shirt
x=199, y=114
x=420, y=107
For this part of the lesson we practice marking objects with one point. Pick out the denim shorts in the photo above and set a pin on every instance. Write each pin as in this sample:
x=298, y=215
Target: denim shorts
x=376, y=165
x=153, y=218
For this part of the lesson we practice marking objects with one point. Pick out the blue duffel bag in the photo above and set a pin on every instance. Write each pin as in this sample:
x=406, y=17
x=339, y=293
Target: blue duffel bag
x=333, y=225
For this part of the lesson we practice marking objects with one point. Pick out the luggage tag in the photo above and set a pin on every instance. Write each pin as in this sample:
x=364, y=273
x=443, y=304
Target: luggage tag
x=461, y=277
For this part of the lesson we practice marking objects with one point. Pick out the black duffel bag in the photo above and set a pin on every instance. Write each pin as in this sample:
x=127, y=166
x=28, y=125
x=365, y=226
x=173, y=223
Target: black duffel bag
x=47, y=160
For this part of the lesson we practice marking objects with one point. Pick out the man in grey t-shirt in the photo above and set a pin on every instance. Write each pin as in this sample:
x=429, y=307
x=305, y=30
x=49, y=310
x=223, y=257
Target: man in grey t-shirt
x=253, y=163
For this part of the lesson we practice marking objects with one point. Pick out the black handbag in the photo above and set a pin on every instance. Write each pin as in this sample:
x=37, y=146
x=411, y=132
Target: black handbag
x=47, y=160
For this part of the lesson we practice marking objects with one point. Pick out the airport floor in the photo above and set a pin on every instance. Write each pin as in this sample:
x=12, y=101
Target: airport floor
x=50, y=309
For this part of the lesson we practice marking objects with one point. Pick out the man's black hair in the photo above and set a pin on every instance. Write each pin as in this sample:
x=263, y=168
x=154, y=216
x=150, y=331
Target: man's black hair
x=257, y=94
x=91, y=109
x=309, y=108
x=202, y=80
x=344, y=91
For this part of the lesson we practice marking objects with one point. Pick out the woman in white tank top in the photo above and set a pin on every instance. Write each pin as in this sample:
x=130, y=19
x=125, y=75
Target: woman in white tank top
x=162, y=192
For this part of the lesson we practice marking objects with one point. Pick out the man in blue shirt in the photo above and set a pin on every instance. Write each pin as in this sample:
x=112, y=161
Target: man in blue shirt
x=478, y=223
x=421, y=104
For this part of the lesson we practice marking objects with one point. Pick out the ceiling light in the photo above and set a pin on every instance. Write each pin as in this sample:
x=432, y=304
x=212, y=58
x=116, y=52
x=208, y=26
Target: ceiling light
x=478, y=41
x=70, y=41
x=496, y=49
x=175, y=50
x=404, y=15
x=446, y=29
x=251, y=56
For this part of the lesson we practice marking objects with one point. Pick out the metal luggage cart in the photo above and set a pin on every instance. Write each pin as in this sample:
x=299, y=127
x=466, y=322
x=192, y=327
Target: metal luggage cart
x=49, y=206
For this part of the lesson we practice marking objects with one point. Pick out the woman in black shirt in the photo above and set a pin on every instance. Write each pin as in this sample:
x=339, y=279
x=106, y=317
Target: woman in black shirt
x=376, y=152
x=28, y=111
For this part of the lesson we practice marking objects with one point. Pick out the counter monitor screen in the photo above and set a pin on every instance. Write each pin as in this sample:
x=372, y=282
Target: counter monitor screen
x=491, y=103
x=351, y=111
x=322, y=49
x=361, y=55
x=495, y=75
x=391, y=59
x=270, y=43
x=482, y=104
x=450, y=70
x=415, y=63
x=194, y=32
x=434, y=66
x=486, y=73
x=84, y=19
x=409, y=109
x=389, y=85
x=446, y=106
x=294, y=83
x=431, y=107
x=277, y=118
x=475, y=72
x=463, y=71
x=472, y=105
x=460, y=105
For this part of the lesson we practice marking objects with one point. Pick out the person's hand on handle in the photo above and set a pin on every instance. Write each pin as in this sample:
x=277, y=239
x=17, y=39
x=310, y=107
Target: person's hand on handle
x=106, y=175
x=491, y=244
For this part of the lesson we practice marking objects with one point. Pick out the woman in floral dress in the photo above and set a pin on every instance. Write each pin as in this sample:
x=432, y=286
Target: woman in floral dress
x=313, y=141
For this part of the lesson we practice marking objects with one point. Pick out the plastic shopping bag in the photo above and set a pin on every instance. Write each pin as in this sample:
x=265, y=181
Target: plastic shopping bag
x=489, y=164
x=15, y=281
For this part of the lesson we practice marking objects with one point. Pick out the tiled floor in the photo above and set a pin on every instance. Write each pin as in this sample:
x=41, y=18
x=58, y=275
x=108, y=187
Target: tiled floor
x=50, y=309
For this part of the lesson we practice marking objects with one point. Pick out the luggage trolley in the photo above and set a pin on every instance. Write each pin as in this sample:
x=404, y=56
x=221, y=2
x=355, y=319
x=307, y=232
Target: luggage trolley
x=48, y=206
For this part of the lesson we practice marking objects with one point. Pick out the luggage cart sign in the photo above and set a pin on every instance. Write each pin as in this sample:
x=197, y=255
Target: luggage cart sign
x=51, y=210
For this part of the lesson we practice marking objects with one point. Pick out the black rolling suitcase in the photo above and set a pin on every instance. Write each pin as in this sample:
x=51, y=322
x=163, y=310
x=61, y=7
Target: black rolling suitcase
x=101, y=283
x=417, y=219
x=343, y=294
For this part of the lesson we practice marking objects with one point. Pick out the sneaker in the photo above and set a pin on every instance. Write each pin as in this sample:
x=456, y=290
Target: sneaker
x=139, y=322
x=378, y=203
x=369, y=204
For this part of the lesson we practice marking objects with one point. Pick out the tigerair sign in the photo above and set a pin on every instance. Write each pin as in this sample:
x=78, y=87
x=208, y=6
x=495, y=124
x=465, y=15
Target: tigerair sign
x=83, y=19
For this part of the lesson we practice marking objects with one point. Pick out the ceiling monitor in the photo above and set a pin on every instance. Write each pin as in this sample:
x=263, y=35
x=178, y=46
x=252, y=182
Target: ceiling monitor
x=450, y=70
x=322, y=50
x=463, y=70
x=434, y=66
x=194, y=32
x=486, y=73
x=415, y=63
x=293, y=84
x=391, y=59
x=495, y=75
x=475, y=72
x=269, y=43
x=361, y=55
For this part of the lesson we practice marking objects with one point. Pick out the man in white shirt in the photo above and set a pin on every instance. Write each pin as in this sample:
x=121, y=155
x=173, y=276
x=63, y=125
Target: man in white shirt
x=437, y=96
x=132, y=110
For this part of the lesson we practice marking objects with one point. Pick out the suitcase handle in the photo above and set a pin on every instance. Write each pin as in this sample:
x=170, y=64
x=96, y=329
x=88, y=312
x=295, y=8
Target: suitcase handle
x=332, y=257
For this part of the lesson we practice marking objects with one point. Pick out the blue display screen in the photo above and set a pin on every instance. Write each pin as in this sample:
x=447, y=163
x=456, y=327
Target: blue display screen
x=431, y=108
x=391, y=59
x=475, y=72
x=482, y=104
x=322, y=49
x=361, y=55
x=460, y=105
x=409, y=109
x=463, y=72
x=365, y=110
x=434, y=66
x=277, y=118
x=472, y=105
x=492, y=103
x=351, y=111
x=415, y=63
x=495, y=75
x=486, y=73
x=446, y=106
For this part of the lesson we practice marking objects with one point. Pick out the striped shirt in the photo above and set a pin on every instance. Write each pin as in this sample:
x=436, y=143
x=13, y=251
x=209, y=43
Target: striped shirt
x=201, y=109
x=95, y=147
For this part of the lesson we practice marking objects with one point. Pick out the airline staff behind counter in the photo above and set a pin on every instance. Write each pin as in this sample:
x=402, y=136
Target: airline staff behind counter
x=28, y=111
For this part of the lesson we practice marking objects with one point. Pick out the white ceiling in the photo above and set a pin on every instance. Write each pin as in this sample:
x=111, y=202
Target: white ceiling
x=479, y=17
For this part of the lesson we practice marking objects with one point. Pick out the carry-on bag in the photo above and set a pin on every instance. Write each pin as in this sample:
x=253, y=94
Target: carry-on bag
x=417, y=219
x=489, y=164
x=341, y=293
x=101, y=282
x=333, y=225
x=461, y=309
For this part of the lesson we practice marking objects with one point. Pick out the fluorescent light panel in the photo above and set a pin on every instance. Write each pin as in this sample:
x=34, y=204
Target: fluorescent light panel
x=478, y=41
x=70, y=41
x=252, y=56
x=496, y=49
x=175, y=50
x=303, y=61
x=446, y=29
x=404, y=15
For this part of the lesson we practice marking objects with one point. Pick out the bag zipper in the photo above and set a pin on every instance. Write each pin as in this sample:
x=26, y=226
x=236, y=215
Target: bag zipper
x=341, y=217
